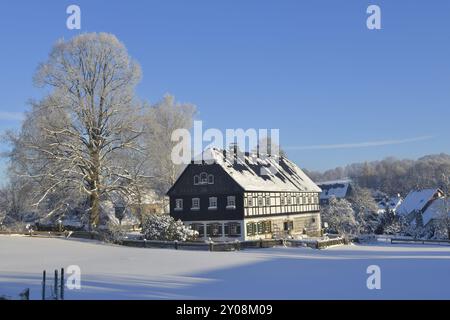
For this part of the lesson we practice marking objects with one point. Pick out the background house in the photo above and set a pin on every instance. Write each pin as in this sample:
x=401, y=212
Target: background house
x=340, y=189
x=421, y=205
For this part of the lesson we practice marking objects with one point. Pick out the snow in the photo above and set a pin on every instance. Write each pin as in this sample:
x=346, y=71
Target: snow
x=115, y=272
x=337, y=188
x=252, y=173
x=416, y=200
x=392, y=204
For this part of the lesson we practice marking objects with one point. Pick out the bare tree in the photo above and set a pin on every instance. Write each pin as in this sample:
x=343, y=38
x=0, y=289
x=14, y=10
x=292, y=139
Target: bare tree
x=71, y=139
x=162, y=119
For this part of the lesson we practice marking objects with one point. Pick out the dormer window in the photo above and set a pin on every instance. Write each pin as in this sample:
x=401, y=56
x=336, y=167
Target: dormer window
x=210, y=179
x=203, y=178
x=196, y=180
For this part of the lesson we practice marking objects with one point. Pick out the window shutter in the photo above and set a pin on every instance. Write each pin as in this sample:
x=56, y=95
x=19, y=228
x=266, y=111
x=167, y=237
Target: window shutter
x=250, y=230
x=260, y=228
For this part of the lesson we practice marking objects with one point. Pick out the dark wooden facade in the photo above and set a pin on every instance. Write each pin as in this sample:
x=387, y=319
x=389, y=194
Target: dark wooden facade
x=222, y=187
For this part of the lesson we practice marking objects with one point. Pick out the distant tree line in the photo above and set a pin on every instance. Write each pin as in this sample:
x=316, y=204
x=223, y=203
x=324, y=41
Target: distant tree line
x=393, y=176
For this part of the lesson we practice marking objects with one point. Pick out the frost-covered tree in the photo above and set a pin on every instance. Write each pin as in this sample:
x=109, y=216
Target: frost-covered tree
x=161, y=120
x=365, y=209
x=340, y=216
x=441, y=223
x=164, y=227
x=394, y=176
x=266, y=144
x=70, y=139
x=389, y=223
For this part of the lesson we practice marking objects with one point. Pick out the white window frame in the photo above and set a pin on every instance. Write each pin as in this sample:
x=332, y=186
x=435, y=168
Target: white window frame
x=177, y=207
x=203, y=175
x=195, y=207
x=196, y=177
x=250, y=201
x=231, y=202
x=210, y=177
x=211, y=202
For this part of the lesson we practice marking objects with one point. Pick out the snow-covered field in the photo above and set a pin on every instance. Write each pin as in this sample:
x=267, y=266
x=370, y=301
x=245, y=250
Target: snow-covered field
x=114, y=272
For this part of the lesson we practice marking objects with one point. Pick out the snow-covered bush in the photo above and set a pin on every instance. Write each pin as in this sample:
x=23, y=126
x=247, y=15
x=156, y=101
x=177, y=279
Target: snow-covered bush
x=114, y=232
x=390, y=223
x=164, y=227
x=365, y=209
x=340, y=216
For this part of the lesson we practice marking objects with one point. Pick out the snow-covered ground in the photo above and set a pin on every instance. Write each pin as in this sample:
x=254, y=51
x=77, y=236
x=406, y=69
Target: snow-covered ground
x=114, y=272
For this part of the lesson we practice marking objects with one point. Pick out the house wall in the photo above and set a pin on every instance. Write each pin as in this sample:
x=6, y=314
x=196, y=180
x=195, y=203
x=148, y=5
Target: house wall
x=278, y=203
x=303, y=223
x=223, y=237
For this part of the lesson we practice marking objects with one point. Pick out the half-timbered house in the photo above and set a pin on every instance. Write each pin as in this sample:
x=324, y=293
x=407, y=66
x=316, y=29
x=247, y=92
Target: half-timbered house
x=246, y=197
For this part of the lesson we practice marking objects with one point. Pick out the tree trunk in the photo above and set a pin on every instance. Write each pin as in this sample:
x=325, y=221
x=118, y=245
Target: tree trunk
x=94, y=199
x=94, y=202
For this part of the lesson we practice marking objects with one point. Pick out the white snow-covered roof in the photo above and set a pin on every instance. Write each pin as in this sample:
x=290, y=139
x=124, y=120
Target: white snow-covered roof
x=392, y=203
x=436, y=210
x=270, y=173
x=416, y=200
x=335, y=188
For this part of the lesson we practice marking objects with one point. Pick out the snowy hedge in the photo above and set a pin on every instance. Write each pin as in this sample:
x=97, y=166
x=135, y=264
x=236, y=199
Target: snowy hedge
x=164, y=227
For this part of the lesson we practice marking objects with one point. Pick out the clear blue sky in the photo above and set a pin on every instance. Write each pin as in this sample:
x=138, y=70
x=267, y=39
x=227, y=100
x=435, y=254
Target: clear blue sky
x=310, y=68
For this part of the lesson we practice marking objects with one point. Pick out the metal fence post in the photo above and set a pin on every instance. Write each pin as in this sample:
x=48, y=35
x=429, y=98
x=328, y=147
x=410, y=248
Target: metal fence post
x=56, y=284
x=43, y=285
x=61, y=289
